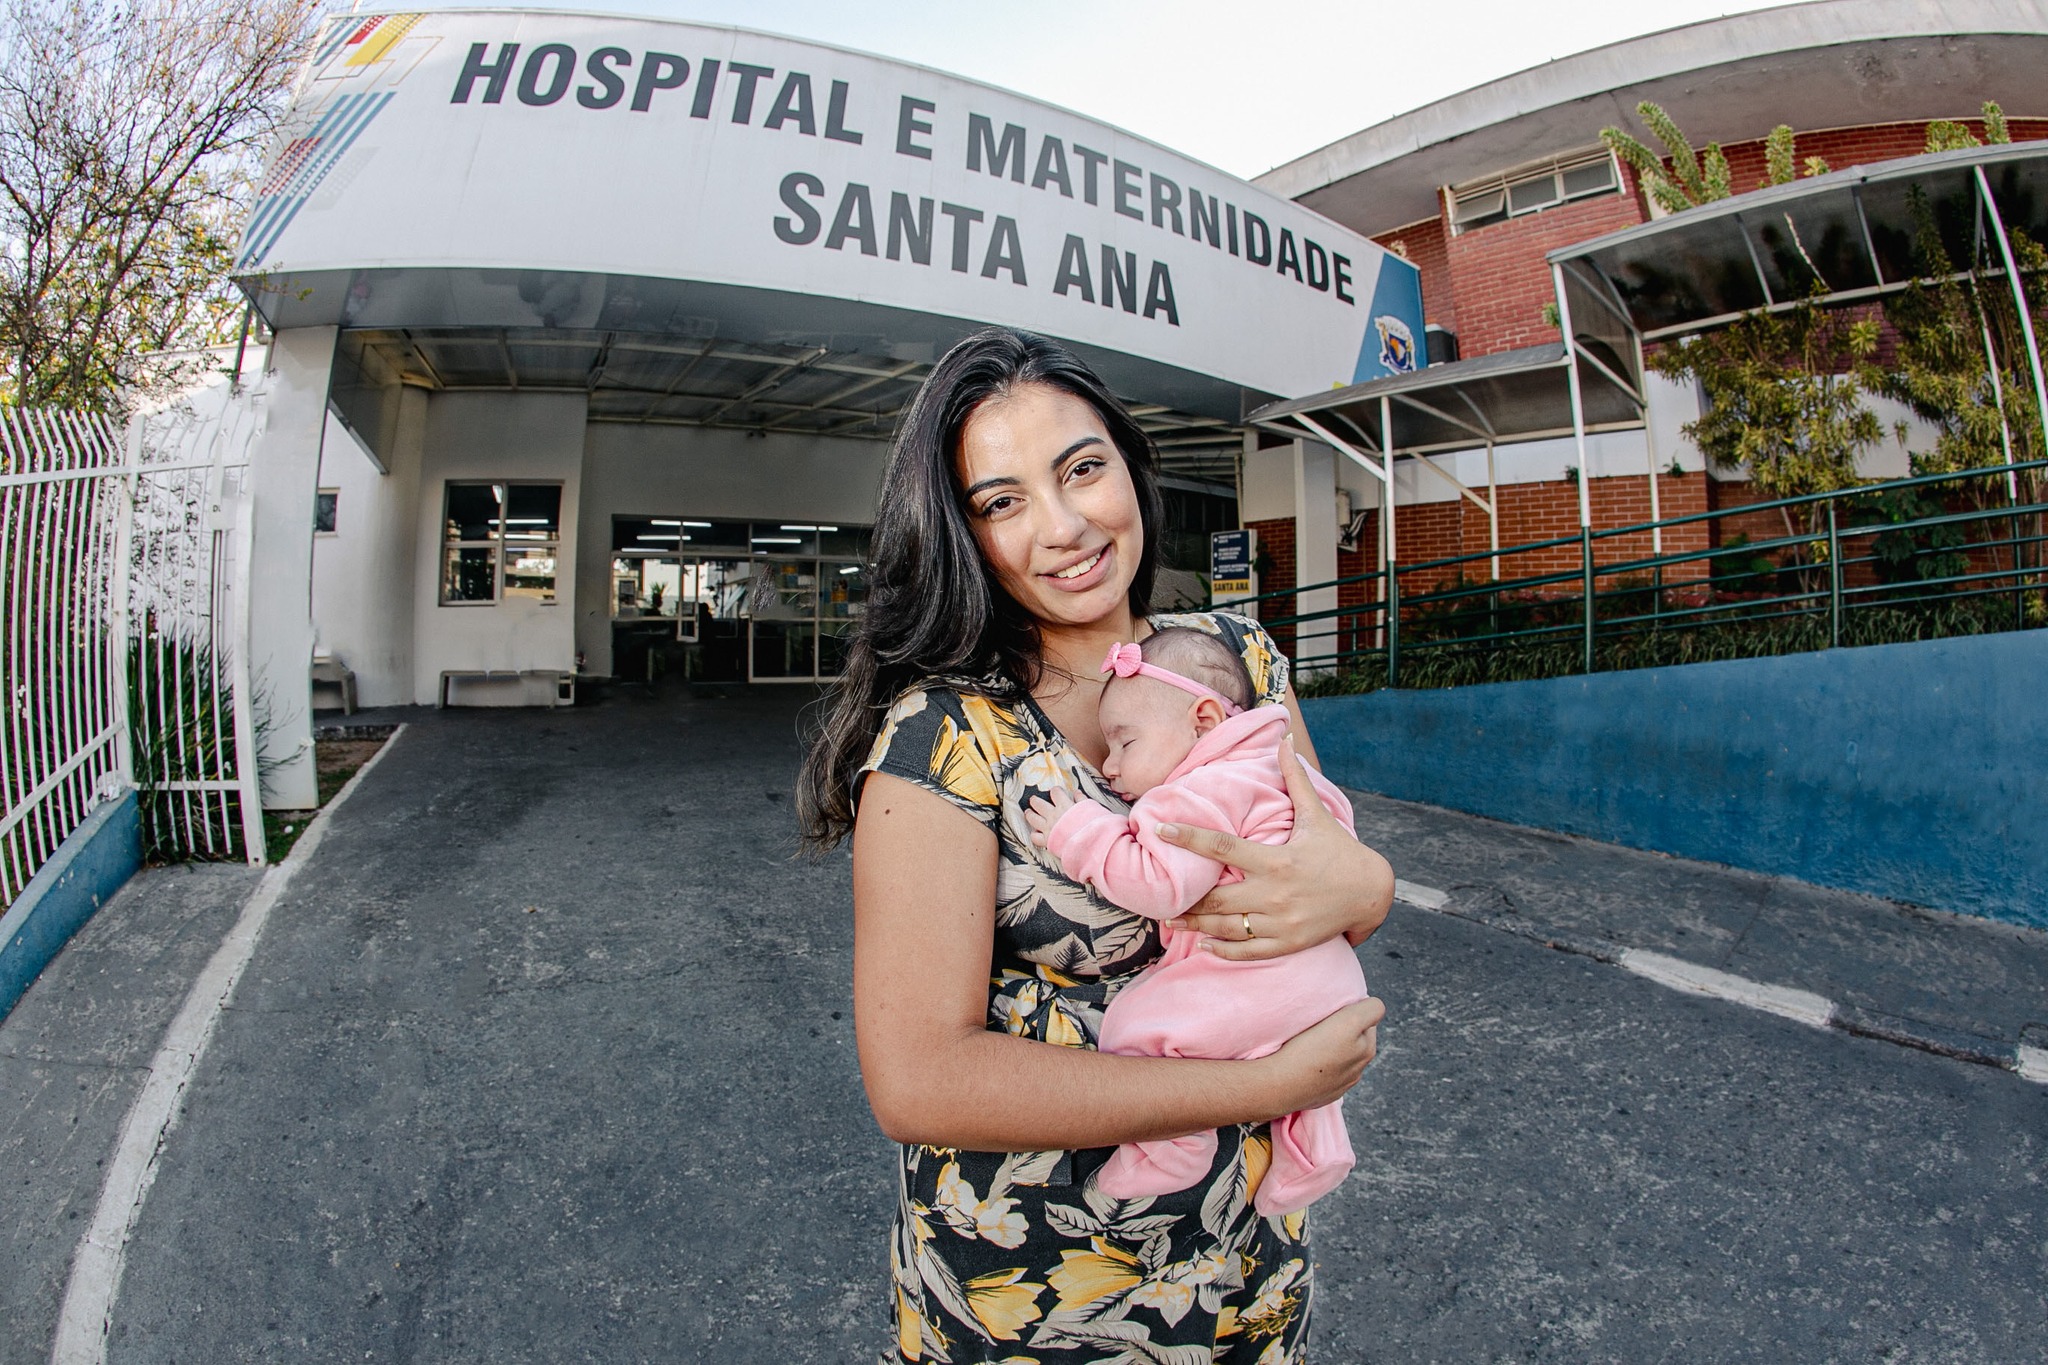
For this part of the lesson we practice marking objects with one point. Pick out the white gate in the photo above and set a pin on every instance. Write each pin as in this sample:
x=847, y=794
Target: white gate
x=124, y=645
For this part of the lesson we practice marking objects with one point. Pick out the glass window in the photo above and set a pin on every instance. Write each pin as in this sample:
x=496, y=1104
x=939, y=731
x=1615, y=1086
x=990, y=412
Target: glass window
x=785, y=649
x=533, y=536
x=473, y=511
x=730, y=536
x=1477, y=210
x=500, y=540
x=530, y=572
x=1531, y=189
x=469, y=558
x=469, y=573
x=842, y=601
x=845, y=592
x=717, y=589
x=785, y=538
x=785, y=591
x=646, y=566
x=834, y=637
x=325, y=503
x=1592, y=178
x=779, y=597
x=1526, y=196
x=533, y=511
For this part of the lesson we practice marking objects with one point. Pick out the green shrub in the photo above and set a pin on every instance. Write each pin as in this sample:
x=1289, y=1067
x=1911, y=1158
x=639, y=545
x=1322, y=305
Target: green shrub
x=1428, y=665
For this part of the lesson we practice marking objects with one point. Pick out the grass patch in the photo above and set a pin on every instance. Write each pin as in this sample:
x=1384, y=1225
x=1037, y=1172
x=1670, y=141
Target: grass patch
x=335, y=761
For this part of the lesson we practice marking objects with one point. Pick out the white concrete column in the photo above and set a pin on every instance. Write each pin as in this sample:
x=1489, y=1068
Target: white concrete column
x=1315, y=545
x=284, y=475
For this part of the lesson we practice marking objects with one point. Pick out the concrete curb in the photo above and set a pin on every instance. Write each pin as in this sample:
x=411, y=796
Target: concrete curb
x=94, y=861
x=1789, y=1002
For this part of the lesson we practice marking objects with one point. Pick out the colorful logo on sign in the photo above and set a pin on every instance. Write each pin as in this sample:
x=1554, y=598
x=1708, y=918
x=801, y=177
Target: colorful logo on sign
x=1387, y=347
x=353, y=71
x=1397, y=345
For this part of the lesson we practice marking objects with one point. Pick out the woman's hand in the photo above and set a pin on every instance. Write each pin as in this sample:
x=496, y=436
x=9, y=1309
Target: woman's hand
x=1317, y=885
x=1316, y=1066
x=924, y=923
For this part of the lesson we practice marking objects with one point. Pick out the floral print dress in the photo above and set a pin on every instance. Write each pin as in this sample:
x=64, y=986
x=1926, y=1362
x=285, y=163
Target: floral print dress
x=1016, y=1257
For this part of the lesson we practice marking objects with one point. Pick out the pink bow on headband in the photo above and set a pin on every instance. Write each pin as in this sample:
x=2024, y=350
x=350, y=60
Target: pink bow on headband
x=1127, y=660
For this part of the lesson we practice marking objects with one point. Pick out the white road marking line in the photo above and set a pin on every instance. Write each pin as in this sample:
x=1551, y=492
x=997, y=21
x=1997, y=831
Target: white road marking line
x=1804, y=1006
x=1421, y=897
x=87, y=1314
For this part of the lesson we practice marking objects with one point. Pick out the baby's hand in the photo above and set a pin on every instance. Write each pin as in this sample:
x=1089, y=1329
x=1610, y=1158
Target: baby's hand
x=1044, y=812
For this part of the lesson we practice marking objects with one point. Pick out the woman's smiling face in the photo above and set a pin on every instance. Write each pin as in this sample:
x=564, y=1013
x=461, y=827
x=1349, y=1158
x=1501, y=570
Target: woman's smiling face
x=1052, y=504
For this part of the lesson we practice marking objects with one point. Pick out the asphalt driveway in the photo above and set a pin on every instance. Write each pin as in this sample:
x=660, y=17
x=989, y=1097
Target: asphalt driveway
x=546, y=1055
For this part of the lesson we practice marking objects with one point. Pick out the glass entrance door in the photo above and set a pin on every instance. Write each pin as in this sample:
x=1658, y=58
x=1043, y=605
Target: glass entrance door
x=842, y=598
x=733, y=600
x=784, y=605
x=802, y=613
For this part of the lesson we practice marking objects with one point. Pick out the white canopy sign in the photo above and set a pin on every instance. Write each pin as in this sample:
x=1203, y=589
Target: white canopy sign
x=542, y=141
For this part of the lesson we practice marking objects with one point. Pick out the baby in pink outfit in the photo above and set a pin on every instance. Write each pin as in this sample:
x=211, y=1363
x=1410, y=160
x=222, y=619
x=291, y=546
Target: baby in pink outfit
x=1185, y=749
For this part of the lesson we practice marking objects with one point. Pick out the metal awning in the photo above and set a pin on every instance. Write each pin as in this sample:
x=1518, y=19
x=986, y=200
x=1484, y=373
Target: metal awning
x=1836, y=238
x=1511, y=396
x=640, y=379
x=1844, y=238
x=1525, y=395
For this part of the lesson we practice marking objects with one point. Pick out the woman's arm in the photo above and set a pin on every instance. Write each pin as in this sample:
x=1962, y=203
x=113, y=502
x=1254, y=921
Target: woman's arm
x=1317, y=885
x=924, y=927
x=1297, y=730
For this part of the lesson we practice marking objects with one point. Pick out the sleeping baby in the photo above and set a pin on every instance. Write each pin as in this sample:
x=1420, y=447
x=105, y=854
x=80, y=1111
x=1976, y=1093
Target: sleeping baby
x=1187, y=748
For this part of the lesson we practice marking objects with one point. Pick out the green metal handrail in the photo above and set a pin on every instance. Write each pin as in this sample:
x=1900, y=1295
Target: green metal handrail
x=1595, y=610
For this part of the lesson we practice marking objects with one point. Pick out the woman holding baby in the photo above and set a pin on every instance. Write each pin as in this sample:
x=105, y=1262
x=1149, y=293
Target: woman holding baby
x=1014, y=551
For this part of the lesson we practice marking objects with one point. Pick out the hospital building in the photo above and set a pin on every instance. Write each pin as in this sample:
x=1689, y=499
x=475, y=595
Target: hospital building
x=586, y=335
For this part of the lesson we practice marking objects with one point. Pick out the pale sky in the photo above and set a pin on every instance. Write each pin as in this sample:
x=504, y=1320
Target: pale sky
x=1241, y=84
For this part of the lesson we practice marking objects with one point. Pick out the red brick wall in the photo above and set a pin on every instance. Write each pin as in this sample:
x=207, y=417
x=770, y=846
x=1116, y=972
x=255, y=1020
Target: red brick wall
x=1276, y=574
x=1430, y=530
x=1358, y=632
x=1427, y=244
x=1529, y=512
x=1544, y=511
x=1770, y=525
x=1500, y=281
x=1724, y=497
x=1864, y=146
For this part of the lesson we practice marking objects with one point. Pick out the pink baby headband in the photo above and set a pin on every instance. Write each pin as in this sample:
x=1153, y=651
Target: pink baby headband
x=1127, y=660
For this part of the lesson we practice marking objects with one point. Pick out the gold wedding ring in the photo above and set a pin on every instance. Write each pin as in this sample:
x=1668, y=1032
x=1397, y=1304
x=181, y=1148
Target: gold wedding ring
x=1248, y=926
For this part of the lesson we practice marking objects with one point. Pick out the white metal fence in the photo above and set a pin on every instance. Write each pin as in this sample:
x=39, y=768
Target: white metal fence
x=124, y=646
x=63, y=742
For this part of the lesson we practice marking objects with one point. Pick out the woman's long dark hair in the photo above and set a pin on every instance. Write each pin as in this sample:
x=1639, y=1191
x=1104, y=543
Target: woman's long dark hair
x=934, y=605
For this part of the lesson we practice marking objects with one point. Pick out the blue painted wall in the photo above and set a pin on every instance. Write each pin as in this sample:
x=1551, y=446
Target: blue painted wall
x=88, y=868
x=1915, y=771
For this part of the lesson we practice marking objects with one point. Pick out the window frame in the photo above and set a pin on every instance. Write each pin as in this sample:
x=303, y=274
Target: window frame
x=1497, y=192
x=334, y=527
x=496, y=542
